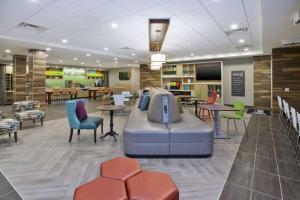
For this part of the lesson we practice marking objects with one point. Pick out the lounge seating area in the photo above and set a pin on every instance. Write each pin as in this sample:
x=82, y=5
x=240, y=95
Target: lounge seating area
x=150, y=100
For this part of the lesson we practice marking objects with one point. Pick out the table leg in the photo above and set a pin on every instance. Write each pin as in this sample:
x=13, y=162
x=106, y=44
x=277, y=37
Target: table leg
x=111, y=131
x=94, y=94
x=218, y=134
x=196, y=108
x=90, y=94
x=49, y=98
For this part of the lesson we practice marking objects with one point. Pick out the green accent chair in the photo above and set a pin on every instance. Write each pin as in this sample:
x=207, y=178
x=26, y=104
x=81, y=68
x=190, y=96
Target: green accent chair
x=238, y=115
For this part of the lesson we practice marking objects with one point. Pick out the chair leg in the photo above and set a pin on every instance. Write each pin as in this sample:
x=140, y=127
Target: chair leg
x=102, y=127
x=20, y=125
x=78, y=132
x=9, y=134
x=95, y=136
x=16, y=136
x=42, y=121
x=71, y=135
x=235, y=126
x=246, y=129
x=227, y=126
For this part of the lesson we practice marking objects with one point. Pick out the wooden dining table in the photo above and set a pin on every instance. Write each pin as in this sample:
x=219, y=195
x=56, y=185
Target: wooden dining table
x=216, y=108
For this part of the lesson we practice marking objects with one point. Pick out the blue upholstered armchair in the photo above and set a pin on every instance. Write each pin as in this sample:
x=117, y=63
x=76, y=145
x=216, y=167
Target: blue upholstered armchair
x=88, y=123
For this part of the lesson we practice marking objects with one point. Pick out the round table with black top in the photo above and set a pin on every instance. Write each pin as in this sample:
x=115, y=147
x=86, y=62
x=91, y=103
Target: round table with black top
x=111, y=109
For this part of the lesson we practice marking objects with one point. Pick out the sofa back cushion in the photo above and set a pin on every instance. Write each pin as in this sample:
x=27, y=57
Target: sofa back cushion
x=163, y=107
x=80, y=111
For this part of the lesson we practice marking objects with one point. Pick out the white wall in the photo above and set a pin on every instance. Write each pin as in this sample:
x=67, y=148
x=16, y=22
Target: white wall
x=234, y=64
x=133, y=83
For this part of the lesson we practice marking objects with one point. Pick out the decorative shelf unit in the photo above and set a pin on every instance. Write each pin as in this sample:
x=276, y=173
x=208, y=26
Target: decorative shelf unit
x=185, y=73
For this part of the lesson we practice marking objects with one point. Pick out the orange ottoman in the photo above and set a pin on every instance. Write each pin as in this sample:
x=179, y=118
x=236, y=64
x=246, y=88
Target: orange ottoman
x=120, y=168
x=101, y=188
x=151, y=185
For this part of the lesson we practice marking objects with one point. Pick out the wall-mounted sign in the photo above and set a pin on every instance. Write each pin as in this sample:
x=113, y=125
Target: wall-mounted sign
x=58, y=72
x=74, y=72
x=94, y=74
x=238, y=83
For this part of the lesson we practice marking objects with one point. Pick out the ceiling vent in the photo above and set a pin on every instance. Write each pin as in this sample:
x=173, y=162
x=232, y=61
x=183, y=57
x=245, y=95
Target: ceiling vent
x=239, y=30
x=31, y=27
x=290, y=43
x=244, y=46
x=126, y=48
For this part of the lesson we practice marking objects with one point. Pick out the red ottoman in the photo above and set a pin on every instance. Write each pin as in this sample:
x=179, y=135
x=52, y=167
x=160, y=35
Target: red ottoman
x=151, y=185
x=101, y=188
x=120, y=168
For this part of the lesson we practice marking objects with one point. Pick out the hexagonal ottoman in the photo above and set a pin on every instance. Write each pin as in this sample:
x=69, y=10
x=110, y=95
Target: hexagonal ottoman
x=120, y=168
x=151, y=185
x=101, y=188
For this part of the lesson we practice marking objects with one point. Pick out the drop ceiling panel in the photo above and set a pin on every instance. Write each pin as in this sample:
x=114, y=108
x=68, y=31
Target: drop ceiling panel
x=177, y=7
x=56, y=13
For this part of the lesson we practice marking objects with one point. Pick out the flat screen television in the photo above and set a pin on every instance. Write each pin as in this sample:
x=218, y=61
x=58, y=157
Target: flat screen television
x=124, y=76
x=208, y=72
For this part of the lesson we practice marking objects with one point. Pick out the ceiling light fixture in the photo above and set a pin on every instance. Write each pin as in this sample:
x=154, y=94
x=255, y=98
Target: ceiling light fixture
x=234, y=26
x=48, y=49
x=61, y=61
x=82, y=63
x=105, y=49
x=114, y=25
x=155, y=65
x=136, y=61
x=97, y=61
x=133, y=54
x=246, y=49
x=7, y=51
x=116, y=62
x=64, y=41
x=75, y=58
x=47, y=55
x=115, y=58
x=241, y=40
x=88, y=54
x=192, y=54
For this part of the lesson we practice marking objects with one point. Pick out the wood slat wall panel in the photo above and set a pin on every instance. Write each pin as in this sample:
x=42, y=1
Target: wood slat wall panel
x=149, y=78
x=36, y=78
x=262, y=81
x=19, y=83
x=286, y=74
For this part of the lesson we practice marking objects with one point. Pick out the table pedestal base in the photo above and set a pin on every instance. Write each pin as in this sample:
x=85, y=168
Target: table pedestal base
x=110, y=133
x=221, y=135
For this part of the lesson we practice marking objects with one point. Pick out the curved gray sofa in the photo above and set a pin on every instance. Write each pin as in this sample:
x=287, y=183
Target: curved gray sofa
x=186, y=136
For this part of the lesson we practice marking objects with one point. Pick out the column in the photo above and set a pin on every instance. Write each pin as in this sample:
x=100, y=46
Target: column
x=20, y=77
x=36, y=76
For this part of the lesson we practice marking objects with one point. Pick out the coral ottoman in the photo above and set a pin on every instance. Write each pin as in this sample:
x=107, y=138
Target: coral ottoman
x=151, y=185
x=101, y=188
x=120, y=168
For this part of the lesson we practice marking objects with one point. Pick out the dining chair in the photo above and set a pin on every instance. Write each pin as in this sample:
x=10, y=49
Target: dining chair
x=88, y=123
x=237, y=115
x=295, y=125
x=288, y=120
x=281, y=112
x=56, y=94
x=119, y=100
x=298, y=142
x=211, y=100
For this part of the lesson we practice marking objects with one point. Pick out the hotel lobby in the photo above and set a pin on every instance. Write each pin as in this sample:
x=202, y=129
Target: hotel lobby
x=150, y=100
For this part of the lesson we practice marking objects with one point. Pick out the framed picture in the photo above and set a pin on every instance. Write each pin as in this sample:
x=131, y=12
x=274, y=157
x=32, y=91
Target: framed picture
x=124, y=76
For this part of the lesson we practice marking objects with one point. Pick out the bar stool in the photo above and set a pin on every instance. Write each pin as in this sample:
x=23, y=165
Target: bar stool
x=73, y=93
x=298, y=142
x=56, y=94
x=65, y=94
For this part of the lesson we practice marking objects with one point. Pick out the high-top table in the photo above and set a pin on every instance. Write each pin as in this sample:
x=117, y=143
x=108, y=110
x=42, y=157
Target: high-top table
x=196, y=100
x=111, y=109
x=216, y=108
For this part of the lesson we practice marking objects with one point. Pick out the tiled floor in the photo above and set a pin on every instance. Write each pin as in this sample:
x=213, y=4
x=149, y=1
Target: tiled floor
x=7, y=192
x=264, y=167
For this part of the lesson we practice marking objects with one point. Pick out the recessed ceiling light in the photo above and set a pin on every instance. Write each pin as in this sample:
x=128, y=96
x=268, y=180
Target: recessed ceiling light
x=241, y=40
x=129, y=65
x=75, y=58
x=82, y=63
x=136, y=61
x=98, y=61
x=64, y=41
x=7, y=51
x=114, y=25
x=100, y=65
x=115, y=58
x=46, y=55
x=105, y=49
x=116, y=62
x=61, y=61
x=48, y=49
x=234, y=26
x=192, y=54
x=88, y=54
x=133, y=54
x=246, y=49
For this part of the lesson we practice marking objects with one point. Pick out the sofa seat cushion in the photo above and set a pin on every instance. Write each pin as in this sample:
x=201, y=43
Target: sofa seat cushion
x=190, y=130
x=91, y=123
